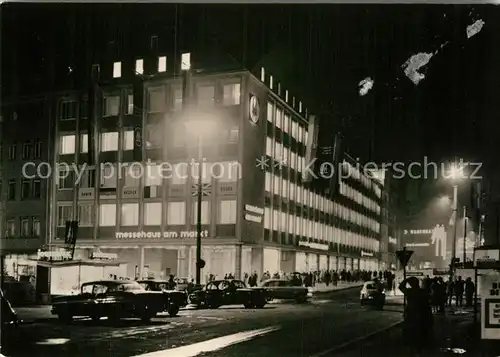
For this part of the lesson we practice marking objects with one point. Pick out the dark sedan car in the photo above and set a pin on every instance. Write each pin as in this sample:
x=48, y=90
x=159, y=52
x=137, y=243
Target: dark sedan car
x=228, y=292
x=285, y=290
x=114, y=299
x=174, y=299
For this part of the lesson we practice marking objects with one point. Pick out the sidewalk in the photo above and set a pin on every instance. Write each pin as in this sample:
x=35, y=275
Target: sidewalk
x=453, y=334
x=322, y=288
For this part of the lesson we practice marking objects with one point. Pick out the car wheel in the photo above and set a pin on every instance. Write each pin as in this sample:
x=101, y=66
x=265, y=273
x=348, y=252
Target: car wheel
x=248, y=305
x=173, y=310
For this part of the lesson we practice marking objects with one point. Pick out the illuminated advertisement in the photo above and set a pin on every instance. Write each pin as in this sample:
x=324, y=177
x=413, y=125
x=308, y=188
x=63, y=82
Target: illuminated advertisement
x=490, y=306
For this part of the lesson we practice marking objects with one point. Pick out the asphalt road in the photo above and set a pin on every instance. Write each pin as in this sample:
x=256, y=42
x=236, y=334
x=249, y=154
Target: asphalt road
x=293, y=330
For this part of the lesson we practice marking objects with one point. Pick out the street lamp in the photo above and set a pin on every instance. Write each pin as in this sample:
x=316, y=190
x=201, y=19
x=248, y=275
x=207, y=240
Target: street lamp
x=199, y=128
x=456, y=173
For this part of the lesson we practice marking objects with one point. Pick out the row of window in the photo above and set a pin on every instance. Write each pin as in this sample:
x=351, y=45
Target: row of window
x=358, y=197
x=285, y=156
x=152, y=213
x=29, y=151
x=30, y=189
x=301, y=195
x=205, y=95
x=354, y=172
x=291, y=224
x=153, y=174
x=29, y=227
x=284, y=121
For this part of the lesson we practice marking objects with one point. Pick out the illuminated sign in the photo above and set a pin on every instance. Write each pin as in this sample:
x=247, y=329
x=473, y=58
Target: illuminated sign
x=54, y=255
x=253, y=214
x=159, y=235
x=418, y=231
x=366, y=254
x=417, y=245
x=254, y=209
x=393, y=240
x=486, y=257
x=254, y=109
x=104, y=256
x=318, y=246
x=252, y=218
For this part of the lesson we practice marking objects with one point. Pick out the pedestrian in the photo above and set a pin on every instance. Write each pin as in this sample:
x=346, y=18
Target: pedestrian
x=418, y=320
x=469, y=292
x=459, y=291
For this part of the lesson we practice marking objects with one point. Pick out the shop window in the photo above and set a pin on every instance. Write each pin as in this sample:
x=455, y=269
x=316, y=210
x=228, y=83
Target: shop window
x=176, y=213
x=107, y=215
x=152, y=213
x=205, y=212
x=227, y=212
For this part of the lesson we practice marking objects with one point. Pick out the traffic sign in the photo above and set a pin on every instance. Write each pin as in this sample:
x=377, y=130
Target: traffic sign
x=404, y=256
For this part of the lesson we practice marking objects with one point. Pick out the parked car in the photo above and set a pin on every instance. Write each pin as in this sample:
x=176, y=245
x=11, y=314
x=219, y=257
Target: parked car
x=181, y=284
x=114, y=299
x=228, y=292
x=174, y=299
x=284, y=289
x=373, y=293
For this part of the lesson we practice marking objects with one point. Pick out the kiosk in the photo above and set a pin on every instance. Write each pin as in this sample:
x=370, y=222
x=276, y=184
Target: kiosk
x=487, y=281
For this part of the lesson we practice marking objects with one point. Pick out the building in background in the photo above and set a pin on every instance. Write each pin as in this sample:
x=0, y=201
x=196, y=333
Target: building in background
x=24, y=130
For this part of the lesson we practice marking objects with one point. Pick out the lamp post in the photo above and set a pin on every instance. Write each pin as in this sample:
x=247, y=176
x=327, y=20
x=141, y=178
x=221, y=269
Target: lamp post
x=455, y=220
x=464, y=244
x=198, y=212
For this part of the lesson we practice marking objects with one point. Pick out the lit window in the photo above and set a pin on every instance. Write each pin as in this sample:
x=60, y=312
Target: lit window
x=25, y=228
x=176, y=214
x=268, y=182
x=67, y=144
x=283, y=222
x=276, y=218
x=128, y=140
x=109, y=175
x=111, y=106
x=38, y=149
x=267, y=218
x=277, y=182
x=156, y=100
x=152, y=213
x=284, y=188
x=278, y=151
x=12, y=152
x=130, y=104
x=205, y=212
x=64, y=213
x=206, y=95
x=279, y=122
x=269, y=146
x=107, y=215
x=297, y=225
x=270, y=108
x=291, y=219
x=154, y=136
x=162, y=64
x=231, y=94
x=293, y=159
x=11, y=228
x=84, y=143
x=285, y=157
x=35, y=228
x=85, y=215
x=139, y=66
x=227, y=212
x=109, y=141
x=132, y=175
x=299, y=138
x=27, y=147
x=117, y=70
x=286, y=123
x=130, y=214
x=293, y=191
x=179, y=173
x=153, y=175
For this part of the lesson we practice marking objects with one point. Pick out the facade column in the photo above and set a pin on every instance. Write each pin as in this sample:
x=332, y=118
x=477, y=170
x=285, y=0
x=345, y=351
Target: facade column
x=141, y=262
x=237, y=269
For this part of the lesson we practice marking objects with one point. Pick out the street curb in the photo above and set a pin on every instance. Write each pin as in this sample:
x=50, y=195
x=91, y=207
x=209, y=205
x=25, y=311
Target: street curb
x=347, y=344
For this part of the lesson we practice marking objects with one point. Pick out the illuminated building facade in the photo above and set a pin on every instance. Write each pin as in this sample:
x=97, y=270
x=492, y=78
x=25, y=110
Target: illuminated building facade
x=255, y=216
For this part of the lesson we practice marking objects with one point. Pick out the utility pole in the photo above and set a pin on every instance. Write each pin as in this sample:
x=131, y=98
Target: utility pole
x=465, y=236
x=454, y=247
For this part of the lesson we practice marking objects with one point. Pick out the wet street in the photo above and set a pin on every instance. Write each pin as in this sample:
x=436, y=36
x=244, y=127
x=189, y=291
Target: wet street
x=280, y=329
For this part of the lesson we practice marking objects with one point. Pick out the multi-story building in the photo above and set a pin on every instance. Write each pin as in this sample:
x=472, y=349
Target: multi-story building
x=135, y=196
x=24, y=131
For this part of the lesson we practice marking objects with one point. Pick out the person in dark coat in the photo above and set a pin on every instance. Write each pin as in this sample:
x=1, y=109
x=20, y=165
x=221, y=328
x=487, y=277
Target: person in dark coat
x=418, y=319
x=459, y=291
x=469, y=292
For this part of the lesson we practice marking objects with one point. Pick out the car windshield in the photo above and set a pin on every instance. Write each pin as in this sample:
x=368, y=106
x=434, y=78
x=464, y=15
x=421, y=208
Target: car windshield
x=181, y=280
x=154, y=286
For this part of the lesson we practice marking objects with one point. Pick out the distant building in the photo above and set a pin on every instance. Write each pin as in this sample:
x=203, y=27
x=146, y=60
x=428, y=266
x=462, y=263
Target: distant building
x=24, y=129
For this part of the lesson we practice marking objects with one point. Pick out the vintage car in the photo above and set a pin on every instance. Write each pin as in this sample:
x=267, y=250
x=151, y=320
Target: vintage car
x=228, y=292
x=114, y=299
x=174, y=299
x=284, y=289
x=181, y=284
x=373, y=293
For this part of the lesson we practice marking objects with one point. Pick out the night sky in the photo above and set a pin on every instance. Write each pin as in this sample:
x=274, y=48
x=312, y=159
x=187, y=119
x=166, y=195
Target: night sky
x=319, y=52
